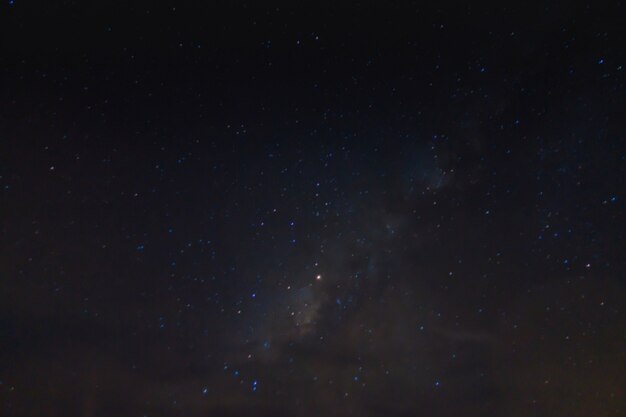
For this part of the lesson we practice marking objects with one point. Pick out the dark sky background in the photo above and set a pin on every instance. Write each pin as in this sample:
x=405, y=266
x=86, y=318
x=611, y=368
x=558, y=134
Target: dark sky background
x=236, y=209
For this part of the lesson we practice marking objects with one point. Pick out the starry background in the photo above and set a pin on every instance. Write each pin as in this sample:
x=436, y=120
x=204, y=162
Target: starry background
x=231, y=209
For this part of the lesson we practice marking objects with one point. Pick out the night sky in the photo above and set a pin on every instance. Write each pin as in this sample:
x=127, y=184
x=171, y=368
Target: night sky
x=279, y=210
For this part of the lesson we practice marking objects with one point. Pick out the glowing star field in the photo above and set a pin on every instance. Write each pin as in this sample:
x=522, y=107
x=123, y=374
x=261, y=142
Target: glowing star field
x=391, y=209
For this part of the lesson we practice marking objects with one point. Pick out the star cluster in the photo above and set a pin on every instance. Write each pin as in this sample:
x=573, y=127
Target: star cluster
x=389, y=210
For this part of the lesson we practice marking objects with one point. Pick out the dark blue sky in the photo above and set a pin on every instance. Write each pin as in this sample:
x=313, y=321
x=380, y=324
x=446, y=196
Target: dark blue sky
x=322, y=210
